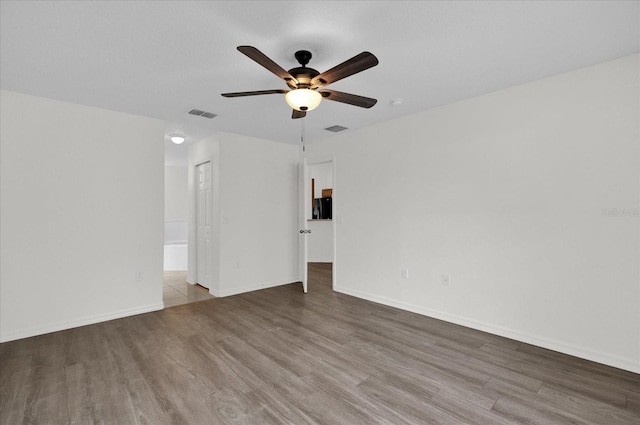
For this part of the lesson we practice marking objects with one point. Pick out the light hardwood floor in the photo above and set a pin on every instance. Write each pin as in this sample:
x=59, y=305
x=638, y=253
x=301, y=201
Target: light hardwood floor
x=279, y=356
x=176, y=290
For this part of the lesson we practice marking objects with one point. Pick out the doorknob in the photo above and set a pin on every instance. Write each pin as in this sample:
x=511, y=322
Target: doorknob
x=305, y=231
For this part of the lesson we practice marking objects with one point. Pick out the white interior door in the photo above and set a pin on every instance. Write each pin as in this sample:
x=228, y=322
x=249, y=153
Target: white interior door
x=204, y=254
x=303, y=206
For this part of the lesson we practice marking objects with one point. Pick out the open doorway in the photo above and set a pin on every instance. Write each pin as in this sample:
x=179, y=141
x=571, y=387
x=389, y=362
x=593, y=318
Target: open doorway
x=176, y=290
x=320, y=276
x=319, y=199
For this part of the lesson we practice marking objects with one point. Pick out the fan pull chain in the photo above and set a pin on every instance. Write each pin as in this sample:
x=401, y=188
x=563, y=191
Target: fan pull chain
x=302, y=134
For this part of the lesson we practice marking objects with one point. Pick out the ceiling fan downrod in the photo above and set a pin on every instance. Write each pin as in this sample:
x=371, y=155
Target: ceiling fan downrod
x=303, y=57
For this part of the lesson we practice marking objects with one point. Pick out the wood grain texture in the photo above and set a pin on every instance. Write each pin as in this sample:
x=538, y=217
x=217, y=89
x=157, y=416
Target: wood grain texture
x=279, y=356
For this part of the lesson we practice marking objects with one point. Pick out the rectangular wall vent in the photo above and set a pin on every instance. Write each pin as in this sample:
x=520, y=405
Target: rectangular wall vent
x=203, y=114
x=336, y=128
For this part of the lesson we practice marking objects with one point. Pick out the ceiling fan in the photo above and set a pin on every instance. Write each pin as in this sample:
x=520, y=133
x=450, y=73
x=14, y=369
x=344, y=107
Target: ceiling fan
x=304, y=82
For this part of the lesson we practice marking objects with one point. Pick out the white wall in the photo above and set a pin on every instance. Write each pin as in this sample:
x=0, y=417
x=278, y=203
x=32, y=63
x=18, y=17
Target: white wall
x=506, y=193
x=81, y=213
x=255, y=216
x=175, y=193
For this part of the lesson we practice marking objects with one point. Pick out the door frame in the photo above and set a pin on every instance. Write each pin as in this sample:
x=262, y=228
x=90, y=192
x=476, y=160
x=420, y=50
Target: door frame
x=306, y=210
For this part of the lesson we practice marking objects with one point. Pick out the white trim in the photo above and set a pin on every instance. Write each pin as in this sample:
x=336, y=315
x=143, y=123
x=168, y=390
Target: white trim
x=176, y=243
x=90, y=320
x=324, y=159
x=336, y=191
x=249, y=288
x=629, y=364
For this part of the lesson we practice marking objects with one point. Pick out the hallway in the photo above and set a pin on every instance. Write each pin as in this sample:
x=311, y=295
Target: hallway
x=176, y=290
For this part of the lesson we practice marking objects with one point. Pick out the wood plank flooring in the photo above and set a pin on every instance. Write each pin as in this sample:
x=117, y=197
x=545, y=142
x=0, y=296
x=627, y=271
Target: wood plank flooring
x=279, y=356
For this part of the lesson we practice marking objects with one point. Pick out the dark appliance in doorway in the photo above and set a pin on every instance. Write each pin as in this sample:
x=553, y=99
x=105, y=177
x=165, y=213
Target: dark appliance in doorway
x=322, y=209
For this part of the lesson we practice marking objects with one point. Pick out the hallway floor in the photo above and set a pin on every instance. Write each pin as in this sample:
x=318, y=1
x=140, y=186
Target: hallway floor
x=176, y=290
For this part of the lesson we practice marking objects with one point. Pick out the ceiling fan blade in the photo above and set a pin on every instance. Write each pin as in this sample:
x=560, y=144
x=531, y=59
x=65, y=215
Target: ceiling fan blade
x=262, y=59
x=351, y=99
x=254, y=93
x=358, y=63
x=298, y=114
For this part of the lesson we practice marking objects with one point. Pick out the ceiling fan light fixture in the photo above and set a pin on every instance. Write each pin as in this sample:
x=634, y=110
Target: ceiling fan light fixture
x=303, y=99
x=177, y=139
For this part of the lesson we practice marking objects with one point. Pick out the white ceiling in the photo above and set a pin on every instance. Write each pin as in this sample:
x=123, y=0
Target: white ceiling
x=161, y=58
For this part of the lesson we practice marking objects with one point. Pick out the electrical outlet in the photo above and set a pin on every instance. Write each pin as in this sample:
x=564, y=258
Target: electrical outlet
x=445, y=280
x=138, y=276
x=405, y=273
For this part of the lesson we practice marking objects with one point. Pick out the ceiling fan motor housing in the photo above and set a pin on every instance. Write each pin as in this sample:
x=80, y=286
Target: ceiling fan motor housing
x=303, y=74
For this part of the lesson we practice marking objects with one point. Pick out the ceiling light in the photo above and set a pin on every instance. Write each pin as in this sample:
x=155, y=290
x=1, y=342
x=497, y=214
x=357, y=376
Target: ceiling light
x=177, y=139
x=303, y=99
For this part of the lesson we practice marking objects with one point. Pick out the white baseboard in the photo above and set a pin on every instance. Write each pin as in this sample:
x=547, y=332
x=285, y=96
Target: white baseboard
x=90, y=320
x=226, y=292
x=631, y=365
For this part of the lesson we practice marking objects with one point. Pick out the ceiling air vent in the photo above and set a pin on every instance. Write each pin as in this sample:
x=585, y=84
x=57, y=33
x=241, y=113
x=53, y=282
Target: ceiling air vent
x=203, y=114
x=336, y=128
